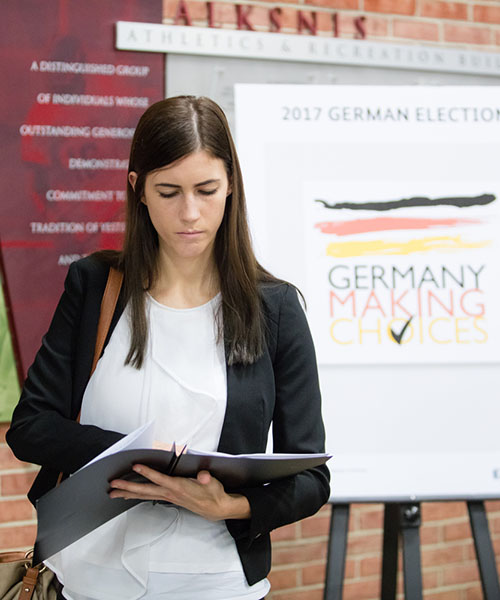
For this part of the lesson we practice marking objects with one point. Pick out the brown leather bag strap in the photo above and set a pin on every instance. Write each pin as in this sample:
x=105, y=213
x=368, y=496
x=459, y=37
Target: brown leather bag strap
x=108, y=305
x=29, y=583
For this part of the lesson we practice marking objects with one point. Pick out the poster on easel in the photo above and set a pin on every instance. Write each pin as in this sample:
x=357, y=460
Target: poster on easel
x=382, y=205
x=400, y=216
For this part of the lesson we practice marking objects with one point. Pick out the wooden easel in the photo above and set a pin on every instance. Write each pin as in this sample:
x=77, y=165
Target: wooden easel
x=402, y=521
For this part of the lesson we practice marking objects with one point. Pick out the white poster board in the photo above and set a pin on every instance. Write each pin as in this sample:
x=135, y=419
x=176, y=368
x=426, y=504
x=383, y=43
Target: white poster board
x=382, y=205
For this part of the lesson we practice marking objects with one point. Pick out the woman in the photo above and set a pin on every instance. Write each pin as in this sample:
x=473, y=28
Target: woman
x=205, y=342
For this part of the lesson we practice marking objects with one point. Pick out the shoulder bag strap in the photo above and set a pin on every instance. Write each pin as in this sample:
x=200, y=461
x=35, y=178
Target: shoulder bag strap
x=108, y=305
x=28, y=583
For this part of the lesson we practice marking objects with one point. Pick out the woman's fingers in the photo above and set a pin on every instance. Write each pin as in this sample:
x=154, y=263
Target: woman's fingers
x=132, y=495
x=158, y=489
x=204, y=477
x=128, y=489
x=153, y=475
x=162, y=487
x=204, y=495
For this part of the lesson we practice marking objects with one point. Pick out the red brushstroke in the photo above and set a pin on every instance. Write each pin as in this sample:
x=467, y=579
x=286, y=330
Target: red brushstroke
x=386, y=224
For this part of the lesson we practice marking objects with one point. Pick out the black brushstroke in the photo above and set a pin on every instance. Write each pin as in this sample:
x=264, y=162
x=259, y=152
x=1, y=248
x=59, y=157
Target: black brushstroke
x=397, y=337
x=460, y=201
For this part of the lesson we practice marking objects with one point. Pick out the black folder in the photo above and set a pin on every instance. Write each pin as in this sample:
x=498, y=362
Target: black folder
x=81, y=503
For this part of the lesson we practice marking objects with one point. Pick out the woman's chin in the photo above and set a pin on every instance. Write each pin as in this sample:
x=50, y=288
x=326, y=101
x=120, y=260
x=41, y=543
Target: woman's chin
x=189, y=252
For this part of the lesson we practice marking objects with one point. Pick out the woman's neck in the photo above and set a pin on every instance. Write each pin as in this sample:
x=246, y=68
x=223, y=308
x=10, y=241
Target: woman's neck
x=185, y=283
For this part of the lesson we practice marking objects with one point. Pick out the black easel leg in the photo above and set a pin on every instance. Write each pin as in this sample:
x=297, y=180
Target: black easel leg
x=412, y=568
x=484, y=550
x=390, y=552
x=337, y=549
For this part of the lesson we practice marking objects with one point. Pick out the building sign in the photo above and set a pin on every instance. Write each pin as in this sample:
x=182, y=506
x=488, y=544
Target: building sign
x=70, y=106
x=306, y=21
x=154, y=37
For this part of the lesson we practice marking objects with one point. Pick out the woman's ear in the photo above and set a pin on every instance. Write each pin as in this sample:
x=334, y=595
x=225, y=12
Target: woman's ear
x=229, y=189
x=132, y=179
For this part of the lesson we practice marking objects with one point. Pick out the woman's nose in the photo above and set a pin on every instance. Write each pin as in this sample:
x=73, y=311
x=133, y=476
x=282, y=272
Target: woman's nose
x=189, y=210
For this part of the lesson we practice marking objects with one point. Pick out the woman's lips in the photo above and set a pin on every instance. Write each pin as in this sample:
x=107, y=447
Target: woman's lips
x=189, y=234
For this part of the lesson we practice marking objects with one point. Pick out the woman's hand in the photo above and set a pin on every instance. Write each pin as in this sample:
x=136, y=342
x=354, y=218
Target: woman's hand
x=204, y=495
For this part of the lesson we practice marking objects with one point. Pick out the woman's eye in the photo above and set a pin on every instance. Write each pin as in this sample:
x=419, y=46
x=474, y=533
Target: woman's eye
x=173, y=194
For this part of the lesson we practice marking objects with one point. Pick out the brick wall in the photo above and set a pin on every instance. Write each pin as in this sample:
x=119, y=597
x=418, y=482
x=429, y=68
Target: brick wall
x=470, y=23
x=448, y=559
x=17, y=516
x=449, y=567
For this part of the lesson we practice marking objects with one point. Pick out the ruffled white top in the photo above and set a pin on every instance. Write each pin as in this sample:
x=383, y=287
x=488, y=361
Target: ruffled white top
x=161, y=549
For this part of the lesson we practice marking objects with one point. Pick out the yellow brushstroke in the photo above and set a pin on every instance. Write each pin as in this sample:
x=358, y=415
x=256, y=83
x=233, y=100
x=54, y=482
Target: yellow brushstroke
x=377, y=247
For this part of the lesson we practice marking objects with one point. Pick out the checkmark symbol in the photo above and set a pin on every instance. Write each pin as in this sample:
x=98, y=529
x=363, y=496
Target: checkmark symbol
x=397, y=337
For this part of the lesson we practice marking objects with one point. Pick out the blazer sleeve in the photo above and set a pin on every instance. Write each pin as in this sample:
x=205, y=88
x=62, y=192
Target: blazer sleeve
x=43, y=429
x=297, y=428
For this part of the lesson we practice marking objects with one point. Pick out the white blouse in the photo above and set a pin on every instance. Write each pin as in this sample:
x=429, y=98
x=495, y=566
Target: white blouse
x=182, y=387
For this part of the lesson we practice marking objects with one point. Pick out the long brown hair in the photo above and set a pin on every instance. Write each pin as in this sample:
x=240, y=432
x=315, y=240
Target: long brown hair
x=168, y=131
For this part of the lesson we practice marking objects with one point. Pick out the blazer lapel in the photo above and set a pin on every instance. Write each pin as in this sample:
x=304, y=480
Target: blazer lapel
x=230, y=424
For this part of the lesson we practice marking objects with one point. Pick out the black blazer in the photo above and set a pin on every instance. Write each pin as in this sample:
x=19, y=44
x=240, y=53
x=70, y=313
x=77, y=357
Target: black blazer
x=281, y=389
